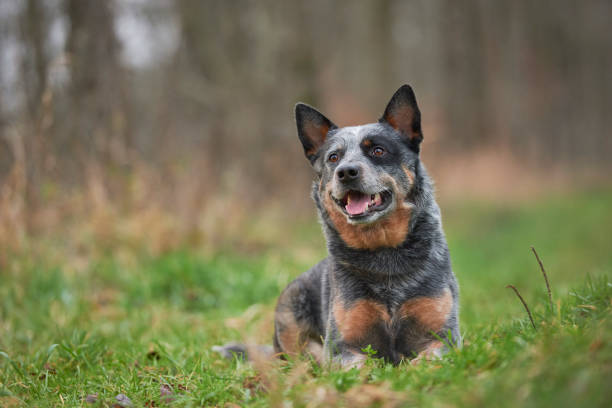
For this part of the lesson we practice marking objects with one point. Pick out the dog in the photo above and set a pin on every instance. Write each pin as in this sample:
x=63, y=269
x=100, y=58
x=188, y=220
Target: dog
x=387, y=288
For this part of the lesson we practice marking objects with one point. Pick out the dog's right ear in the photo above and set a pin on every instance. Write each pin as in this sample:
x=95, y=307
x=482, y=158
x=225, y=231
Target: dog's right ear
x=312, y=129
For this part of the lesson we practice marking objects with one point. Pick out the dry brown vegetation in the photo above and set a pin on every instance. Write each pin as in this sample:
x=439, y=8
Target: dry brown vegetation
x=184, y=135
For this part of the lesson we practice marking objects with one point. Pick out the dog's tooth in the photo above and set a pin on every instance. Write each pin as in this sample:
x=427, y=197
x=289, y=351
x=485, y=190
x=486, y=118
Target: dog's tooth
x=377, y=199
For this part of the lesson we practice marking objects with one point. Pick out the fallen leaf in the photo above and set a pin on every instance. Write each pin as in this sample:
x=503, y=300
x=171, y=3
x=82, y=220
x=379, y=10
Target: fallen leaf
x=153, y=355
x=374, y=394
x=165, y=389
x=166, y=393
x=253, y=383
x=596, y=345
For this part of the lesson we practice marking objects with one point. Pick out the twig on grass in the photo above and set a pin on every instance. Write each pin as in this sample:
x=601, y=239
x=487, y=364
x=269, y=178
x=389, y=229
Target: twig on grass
x=545, y=277
x=524, y=304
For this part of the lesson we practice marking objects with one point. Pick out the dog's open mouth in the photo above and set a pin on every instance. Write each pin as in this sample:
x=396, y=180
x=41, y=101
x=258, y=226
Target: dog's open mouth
x=357, y=204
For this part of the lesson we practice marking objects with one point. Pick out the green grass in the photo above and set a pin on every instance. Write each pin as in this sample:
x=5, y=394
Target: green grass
x=133, y=323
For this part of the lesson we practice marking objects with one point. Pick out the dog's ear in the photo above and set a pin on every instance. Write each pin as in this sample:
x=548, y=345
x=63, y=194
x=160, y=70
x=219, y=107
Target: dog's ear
x=312, y=129
x=402, y=114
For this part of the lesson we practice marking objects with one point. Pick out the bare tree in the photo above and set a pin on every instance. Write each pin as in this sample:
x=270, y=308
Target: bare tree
x=98, y=109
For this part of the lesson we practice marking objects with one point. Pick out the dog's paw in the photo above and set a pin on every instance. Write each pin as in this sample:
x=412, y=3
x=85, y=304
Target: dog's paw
x=433, y=352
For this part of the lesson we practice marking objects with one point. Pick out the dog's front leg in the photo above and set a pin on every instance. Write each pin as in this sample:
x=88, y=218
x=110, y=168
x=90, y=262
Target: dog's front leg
x=353, y=326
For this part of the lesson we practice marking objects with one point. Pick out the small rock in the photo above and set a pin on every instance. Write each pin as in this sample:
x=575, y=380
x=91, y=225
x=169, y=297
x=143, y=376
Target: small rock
x=123, y=401
x=91, y=398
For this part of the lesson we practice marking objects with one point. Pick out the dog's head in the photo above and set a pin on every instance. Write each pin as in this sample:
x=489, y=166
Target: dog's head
x=365, y=174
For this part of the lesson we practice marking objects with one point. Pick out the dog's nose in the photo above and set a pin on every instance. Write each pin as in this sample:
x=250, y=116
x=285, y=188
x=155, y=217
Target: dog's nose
x=347, y=173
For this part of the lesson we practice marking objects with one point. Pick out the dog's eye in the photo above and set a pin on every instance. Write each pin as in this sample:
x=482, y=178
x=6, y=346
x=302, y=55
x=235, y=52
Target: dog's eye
x=378, y=151
x=333, y=157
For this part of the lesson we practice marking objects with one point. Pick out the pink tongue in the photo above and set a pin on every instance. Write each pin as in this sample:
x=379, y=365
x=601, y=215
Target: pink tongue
x=357, y=203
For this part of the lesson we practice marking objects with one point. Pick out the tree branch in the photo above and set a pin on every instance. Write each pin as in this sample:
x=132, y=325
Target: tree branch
x=524, y=304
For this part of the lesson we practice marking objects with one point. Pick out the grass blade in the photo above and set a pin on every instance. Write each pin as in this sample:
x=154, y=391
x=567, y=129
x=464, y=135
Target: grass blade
x=550, y=301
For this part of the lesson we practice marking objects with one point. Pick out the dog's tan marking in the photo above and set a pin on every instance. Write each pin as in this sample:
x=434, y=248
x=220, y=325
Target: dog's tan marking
x=409, y=174
x=353, y=322
x=430, y=312
x=390, y=231
x=293, y=337
x=367, y=143
x=289, y=332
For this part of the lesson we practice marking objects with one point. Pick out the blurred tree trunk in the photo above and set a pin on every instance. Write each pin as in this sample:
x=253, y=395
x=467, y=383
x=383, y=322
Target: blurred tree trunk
x=384, y=48
x=98, y=107
x=6, y=159
x=464, y=62
x=35, y=62
x=33, y=26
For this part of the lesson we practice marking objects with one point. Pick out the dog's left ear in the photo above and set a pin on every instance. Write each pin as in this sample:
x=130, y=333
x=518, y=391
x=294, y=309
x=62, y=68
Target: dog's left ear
x=402, y=114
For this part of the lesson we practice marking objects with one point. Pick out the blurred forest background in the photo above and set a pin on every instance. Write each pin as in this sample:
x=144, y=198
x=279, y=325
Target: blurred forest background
x=172, y=121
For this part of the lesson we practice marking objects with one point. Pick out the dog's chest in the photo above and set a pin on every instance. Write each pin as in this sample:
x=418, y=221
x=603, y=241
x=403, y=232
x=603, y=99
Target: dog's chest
x=403, y=326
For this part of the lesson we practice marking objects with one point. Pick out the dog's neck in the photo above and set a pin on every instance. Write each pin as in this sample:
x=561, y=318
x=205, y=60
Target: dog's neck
x=415, y=254
x=423, y=247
